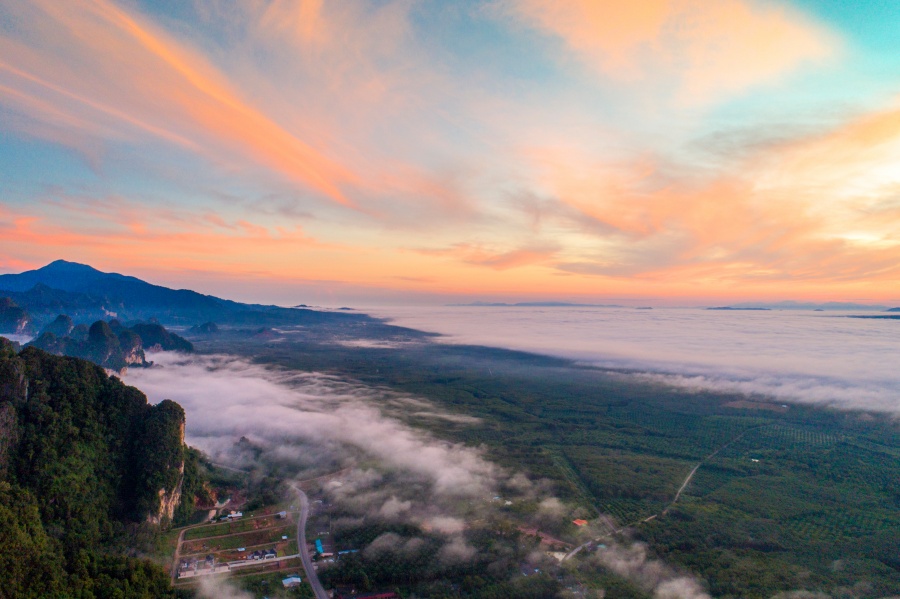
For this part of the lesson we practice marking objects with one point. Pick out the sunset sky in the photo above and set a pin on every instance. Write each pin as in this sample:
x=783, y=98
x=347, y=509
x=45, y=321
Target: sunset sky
x=669, y=151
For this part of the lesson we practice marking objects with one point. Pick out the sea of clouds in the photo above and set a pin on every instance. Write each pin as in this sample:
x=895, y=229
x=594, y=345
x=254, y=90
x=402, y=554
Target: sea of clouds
x=309, y=422
x=791, y=355
x=227, y=397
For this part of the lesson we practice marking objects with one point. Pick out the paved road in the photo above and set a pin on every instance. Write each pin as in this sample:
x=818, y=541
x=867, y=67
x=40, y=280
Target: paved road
x=311, y=574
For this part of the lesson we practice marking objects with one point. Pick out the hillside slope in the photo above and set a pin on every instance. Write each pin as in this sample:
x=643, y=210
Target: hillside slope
x=84, y=459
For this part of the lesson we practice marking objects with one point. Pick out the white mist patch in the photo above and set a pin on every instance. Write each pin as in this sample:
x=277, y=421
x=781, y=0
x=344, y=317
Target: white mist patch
x=633, y=563
x=803, y=356
x=212, y=587
x=824, y=391
x=375, y=343
x=226, y=398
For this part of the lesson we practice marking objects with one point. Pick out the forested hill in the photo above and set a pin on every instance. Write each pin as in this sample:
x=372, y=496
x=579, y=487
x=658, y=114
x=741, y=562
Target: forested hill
x=84, y=460
x=108, y=344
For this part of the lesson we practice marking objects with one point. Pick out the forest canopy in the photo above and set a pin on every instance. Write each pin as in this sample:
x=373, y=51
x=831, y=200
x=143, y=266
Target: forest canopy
x=83, y=458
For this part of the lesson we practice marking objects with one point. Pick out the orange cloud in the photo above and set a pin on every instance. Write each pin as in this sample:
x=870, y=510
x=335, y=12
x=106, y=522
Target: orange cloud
x=337, y=80
x=342, y=99
x=823, y=209
x=860, y=155
x=113, y=58
x=498, y=260
x=709, y=49
x=128, y=232
x=358, y=70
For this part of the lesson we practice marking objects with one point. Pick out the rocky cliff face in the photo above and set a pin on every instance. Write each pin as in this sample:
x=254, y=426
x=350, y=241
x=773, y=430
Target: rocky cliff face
x=52, y=408
x=61, y=327
x=82, y=457
x=109, y=345
x=13, y=319
x=168, y=501
x=170, y=494
x=132, y=348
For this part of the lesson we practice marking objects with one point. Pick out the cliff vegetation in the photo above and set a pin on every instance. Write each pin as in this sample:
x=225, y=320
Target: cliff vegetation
x=85, y=463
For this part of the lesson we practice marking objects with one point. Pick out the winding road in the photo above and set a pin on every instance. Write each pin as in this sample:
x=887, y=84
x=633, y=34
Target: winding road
x=311, y=574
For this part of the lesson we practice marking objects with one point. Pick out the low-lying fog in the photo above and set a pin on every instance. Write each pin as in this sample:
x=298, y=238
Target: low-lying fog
x=815, y=357
x=287, y=412
x=305, y=424
x=302, y=425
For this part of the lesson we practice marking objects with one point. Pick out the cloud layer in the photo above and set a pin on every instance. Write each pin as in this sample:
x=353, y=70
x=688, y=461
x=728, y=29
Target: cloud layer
x=798, y=356
x=693, y=45
x=228, y=398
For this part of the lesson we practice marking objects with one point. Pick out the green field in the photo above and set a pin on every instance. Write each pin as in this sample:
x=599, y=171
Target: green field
x=270, y=585
x=247, y=539
x=226, y=528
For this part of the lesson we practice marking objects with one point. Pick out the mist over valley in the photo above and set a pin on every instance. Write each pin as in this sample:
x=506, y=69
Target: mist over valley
x=795, y=356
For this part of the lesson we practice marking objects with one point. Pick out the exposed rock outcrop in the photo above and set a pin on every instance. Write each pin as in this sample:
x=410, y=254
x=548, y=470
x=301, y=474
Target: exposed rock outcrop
x=132, y=348
x=153, y=335
x=168, y=501
x=61, y=327
x=111, y=345
x=162, y=445
x=13, y=319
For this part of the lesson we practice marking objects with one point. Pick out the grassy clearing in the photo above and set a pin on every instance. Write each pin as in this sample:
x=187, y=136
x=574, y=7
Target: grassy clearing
x=270, y=585
x=246, y=539
x=226, y=528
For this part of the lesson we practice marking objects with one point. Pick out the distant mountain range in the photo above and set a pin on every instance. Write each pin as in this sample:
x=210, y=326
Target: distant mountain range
x=785, y=305
x=87, y=294
x=535, y=305
x=792, y=305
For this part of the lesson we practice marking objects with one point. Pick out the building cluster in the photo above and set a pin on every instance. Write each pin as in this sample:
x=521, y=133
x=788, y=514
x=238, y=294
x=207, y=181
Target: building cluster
x=262, y=554
x=324, y=549
x=199, y=566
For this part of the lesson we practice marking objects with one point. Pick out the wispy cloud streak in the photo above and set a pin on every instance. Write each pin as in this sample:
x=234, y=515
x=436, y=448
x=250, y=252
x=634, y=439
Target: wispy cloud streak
x=577, y=147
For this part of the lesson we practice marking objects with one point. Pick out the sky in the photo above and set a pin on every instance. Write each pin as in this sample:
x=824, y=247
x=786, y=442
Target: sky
x=393, y=151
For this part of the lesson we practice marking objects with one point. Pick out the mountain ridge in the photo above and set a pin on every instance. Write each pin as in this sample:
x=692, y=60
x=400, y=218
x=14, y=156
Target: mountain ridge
x=86, y=293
